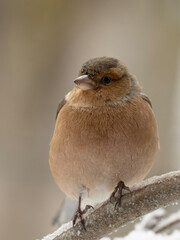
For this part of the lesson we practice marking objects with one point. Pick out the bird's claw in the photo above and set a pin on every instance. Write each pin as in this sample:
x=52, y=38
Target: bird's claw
x=117, y=193
x=87, y=208
x=79, y=215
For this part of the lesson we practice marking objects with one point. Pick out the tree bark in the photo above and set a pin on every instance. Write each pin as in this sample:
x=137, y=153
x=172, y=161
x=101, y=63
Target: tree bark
x=144, y=197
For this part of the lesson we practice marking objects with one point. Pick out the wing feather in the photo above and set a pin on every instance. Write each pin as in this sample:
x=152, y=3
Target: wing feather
x=61, y=104
x=144, y=97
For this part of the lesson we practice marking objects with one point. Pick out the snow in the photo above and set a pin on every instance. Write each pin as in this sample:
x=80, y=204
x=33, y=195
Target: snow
x=60, y=230
x=151, y=219
x=148, y=235
x=175, y=217
x=142, y=232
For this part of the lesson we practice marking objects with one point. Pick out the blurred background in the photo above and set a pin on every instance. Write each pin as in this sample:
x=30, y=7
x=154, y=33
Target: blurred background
x=42, y=46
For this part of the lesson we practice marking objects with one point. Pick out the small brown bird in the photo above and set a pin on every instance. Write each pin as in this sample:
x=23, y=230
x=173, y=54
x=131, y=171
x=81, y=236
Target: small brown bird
x=105, y=134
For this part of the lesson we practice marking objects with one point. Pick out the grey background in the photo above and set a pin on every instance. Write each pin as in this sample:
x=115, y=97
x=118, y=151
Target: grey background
x=42, y=46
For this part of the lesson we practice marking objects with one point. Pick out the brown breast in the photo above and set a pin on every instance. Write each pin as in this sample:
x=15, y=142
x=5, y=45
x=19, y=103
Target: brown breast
x=103, y=146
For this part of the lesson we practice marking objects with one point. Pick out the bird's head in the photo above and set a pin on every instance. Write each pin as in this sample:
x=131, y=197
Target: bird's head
x=104, y=80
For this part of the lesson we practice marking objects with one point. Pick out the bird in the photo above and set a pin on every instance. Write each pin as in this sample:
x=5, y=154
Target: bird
x=105, y=137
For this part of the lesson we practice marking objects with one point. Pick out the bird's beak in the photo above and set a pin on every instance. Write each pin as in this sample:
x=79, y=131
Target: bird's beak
x=84, y=82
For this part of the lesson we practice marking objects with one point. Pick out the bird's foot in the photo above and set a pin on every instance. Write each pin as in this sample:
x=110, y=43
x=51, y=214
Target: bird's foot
x=117, y=193
x=79, y=214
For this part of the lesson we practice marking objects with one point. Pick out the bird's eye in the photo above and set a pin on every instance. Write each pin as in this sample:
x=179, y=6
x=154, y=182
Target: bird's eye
x=106, y=80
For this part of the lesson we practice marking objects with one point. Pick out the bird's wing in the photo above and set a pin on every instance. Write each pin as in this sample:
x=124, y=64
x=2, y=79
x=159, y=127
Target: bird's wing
x=144, y=97
x=61, y=104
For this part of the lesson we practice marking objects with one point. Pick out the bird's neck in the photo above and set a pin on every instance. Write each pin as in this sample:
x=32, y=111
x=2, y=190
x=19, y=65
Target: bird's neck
x=78, y=98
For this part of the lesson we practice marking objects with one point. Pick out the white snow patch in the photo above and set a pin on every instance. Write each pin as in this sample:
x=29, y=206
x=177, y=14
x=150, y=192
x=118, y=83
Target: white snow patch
x=140, y=232
x=149, y=235
x=58, y=232
x=150, y=218
x=172, y=218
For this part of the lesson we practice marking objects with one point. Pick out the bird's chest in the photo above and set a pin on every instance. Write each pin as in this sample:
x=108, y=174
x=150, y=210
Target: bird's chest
x=100, y=131
x=102, y=146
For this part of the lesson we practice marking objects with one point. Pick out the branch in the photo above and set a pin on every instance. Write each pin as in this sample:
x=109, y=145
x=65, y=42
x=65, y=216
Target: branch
x=144, y=197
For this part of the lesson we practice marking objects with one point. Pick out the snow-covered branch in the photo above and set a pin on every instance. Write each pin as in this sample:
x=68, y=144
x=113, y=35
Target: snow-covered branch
x=144, y=197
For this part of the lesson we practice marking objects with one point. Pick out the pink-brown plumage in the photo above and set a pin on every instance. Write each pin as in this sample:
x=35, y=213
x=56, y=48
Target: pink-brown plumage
x=102, y=136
